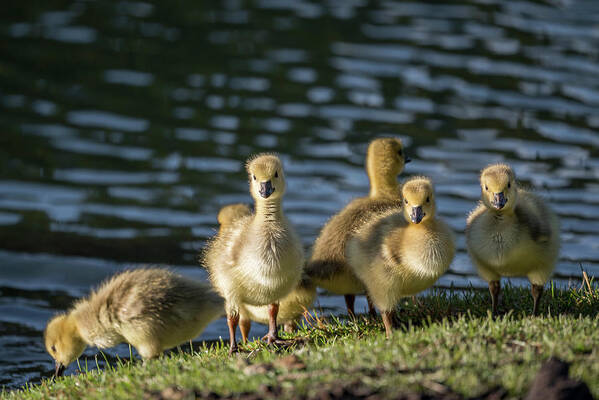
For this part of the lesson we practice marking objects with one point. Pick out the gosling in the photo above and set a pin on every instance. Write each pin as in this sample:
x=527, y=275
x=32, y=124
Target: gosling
x=292, y=307
x=328, y=268
x=152, y=309
x=258, y=258
x=403, y=252
x=511, y=232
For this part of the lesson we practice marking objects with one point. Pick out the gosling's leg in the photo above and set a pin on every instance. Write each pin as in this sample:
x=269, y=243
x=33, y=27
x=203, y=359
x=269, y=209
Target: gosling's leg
x=371, y=308
x=388, y=322
x=232, y=321
x=350, y=299
x=271, y=336
x=494, y=289
x=537, y=292
x=245, y=324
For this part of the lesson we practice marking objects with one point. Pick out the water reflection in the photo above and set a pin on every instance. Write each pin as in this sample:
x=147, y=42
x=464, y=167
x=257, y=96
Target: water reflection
x=108, y=120
x=126, y=126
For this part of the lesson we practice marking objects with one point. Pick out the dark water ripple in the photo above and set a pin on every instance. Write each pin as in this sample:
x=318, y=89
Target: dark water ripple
x=126, y=124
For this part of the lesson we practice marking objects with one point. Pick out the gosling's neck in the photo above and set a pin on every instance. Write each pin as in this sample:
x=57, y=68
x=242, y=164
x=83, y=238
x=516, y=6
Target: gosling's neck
x=71, y=327
x=268, y=210
x=500, y=215
x=384, y=186
x=427, y=224
x=86, y=315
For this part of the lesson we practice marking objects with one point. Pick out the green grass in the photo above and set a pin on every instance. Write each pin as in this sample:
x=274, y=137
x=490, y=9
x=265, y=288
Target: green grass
x=447, y=341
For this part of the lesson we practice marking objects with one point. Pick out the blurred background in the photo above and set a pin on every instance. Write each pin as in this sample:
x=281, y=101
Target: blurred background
x=125, y=126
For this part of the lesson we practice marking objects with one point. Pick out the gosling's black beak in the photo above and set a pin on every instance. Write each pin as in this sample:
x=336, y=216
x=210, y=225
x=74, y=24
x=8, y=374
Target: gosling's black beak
x=407, y=160
x=59, y=369
x=266, y=189
x=416, y=214
x=499, y=200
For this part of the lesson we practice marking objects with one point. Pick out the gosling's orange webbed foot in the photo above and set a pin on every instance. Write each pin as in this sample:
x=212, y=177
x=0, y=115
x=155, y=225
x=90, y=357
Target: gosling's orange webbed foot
x=270, y=338
x=276, y=340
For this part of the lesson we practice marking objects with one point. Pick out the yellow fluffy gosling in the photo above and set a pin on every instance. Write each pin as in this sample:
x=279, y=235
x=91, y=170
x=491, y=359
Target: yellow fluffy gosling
x=291, y=307
x=511, y=233
x=258, y=259
x=327, y=267
x=395, y=258
x=152, y=309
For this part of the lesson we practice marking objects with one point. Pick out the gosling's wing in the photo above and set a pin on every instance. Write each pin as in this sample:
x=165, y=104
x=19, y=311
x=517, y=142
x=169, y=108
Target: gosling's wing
x=155, y=298
x=328, y=255
x=193, y=300
x=222, y=250
x=328, y=252
x=379, y=239
x=535, y=217
x=475, y=215
x=477, y=235
x=143, y=296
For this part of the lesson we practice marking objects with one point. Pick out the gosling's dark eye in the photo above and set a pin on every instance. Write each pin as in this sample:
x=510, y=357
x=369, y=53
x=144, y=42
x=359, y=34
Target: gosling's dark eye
x=254, y=176
x=399, y=152
x=428, y=199
x=509, y=185
x=486, y=187
x=276, y=174
x=406, y=201
x=53, y=348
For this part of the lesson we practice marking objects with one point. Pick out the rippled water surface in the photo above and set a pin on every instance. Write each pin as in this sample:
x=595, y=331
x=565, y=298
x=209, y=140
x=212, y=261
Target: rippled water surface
x=125, y=126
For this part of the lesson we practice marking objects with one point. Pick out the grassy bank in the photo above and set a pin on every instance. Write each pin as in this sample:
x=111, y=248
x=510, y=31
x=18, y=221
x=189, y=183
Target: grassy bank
x=447, y=343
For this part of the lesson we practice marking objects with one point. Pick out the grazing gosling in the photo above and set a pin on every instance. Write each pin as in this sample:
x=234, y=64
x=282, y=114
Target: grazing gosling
x=291, y=307
x=395, y=258
x=152, y=309
x=258, y=258
x=327, y=267
x=511, y=232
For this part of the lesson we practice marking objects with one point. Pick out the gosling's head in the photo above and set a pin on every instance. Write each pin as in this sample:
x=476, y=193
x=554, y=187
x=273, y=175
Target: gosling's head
x=498, y=186
x=385, y=159
x=267, y=180
x=231, y=212
x=63, y=341
x=418, y=199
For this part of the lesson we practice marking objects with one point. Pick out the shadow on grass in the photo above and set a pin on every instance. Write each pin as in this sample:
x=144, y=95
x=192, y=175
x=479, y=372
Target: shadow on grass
x=446, y=304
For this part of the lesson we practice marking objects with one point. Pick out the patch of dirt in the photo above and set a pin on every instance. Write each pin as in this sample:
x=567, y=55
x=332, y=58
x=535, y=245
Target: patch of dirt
x=258, y=369
x=290, y=362
x=170, y=393
x=335, y=391
x=554, y=383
